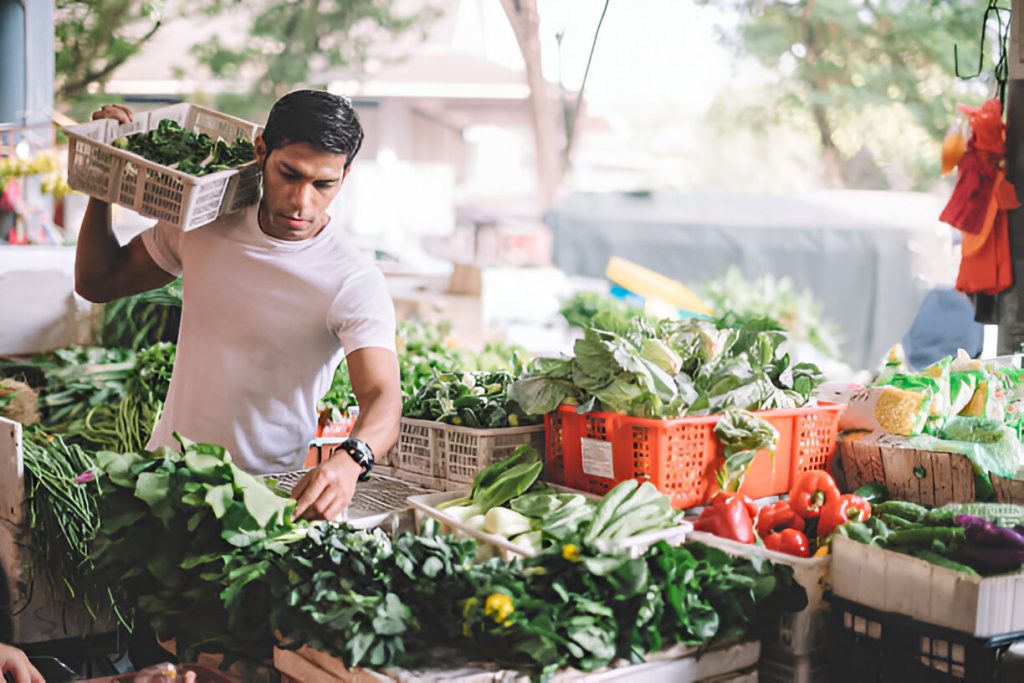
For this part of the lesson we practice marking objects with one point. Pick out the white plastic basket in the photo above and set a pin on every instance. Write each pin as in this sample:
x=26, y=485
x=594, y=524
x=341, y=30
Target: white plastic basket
x=449, y=457
x=113, y=175
x=427, y=506
x=800, y=633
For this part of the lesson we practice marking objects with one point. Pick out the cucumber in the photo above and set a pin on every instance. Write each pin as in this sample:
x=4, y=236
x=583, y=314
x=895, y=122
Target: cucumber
x=922, y=538
x=941, y=561
x=897, y=523
x=901, y=508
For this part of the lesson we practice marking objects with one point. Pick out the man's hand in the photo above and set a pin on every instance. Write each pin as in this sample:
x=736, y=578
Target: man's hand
x=15, y=663
x=326, y=491
x=118, y=112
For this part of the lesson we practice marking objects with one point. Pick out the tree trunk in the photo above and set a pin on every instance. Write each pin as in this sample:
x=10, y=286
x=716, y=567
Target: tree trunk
x=832, y=171
x=525, y=21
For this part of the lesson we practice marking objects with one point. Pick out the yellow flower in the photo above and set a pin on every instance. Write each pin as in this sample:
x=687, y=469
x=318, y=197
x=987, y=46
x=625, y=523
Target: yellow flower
x=468, y=606
x=571, y=552
x=499, y=607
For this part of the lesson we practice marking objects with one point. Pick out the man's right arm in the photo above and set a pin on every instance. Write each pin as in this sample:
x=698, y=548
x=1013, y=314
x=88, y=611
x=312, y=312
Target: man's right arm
x=104, y=270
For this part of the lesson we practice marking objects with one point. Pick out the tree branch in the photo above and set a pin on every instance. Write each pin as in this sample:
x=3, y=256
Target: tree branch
x=71, y=88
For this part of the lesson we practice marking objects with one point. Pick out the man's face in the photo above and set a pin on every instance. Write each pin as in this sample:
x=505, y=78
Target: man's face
x=299, y=183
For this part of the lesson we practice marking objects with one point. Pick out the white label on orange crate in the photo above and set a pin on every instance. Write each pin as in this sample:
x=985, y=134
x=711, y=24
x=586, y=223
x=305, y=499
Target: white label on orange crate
x=597, y=458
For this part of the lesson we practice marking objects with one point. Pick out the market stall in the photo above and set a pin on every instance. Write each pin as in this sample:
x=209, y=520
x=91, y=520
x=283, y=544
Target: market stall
x=664, y=502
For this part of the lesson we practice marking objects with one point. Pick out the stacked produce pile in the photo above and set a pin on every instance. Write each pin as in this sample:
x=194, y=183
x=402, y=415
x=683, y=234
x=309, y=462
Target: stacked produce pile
x=204, y=552
x=958, y=405
x=978, y=539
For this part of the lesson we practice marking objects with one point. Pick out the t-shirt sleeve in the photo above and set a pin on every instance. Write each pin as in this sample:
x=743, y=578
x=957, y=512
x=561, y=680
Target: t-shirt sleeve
x=163, y=242
x=363, y=314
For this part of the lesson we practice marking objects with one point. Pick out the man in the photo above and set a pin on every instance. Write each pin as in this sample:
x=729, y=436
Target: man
x=274, y=299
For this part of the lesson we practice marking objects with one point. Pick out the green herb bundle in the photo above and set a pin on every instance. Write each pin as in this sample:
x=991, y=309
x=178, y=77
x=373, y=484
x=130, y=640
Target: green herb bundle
x=585, y=612
x=80, y=378
x=372, y=601
x=61, y=516
x=187, y=539
x=143, y=319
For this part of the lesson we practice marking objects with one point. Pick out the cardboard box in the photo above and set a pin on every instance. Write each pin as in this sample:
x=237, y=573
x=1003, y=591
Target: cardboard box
x=893, y=582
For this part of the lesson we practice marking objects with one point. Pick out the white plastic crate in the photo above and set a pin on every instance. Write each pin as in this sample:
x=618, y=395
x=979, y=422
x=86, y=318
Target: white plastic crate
x=800, y=633
x=426, y=506
x=448, y=456
x=113, y=175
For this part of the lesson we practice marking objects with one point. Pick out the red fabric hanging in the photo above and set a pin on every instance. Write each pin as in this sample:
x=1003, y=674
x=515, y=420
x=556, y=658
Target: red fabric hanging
x=979, y=203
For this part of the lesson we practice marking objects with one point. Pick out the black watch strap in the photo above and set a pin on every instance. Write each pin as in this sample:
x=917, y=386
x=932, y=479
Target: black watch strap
x=359, y=451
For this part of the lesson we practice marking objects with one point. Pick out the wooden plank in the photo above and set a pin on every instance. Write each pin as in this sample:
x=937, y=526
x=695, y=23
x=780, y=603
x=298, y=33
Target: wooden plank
x=1008, y=490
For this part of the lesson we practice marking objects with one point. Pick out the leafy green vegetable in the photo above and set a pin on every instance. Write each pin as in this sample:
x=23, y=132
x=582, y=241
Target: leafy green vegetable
x=581, y=309
x=585, y=612
x=474, y=399
x=743, y=434
x=668, y=369
x=143, y=319
x=187, y=539
x=194, y=153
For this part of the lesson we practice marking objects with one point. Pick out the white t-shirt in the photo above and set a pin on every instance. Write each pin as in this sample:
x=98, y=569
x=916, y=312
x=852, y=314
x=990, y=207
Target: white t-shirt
x=264, y=325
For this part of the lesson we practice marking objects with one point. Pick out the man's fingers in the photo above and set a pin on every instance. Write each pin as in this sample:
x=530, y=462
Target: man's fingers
x=20, y=669
x=320, y=507
x=309, y=495
x=301, y=486
x=36, y=676
x=337, y=508
x=113, y=111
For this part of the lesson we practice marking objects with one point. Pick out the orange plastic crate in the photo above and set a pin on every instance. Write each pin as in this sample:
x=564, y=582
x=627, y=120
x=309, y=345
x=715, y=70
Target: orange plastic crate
x=595, y=451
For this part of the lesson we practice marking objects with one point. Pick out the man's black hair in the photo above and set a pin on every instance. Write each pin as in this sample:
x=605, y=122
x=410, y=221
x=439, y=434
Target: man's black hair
x=326, y=121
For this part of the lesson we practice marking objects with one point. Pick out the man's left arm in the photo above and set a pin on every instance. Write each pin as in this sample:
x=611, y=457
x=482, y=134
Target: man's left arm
x=327, y=490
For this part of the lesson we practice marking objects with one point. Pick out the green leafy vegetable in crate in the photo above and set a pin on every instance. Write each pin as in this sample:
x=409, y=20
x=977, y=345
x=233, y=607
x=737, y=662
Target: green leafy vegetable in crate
x=536, y=515
x=194, y=153
x=669, y=369
x=473, y=399
x=584, y=612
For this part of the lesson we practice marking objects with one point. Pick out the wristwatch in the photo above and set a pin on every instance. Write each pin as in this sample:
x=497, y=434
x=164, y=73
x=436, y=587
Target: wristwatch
x=359, y=451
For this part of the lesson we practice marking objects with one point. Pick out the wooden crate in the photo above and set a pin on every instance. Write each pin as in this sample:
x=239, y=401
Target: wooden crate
x=676, y=665
x=922, y=477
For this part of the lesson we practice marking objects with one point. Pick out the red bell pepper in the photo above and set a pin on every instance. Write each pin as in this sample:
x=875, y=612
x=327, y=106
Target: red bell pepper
x=728, y=516
x=811, y=492
x=777, y=517
x=848, y=508
x=789, y=541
